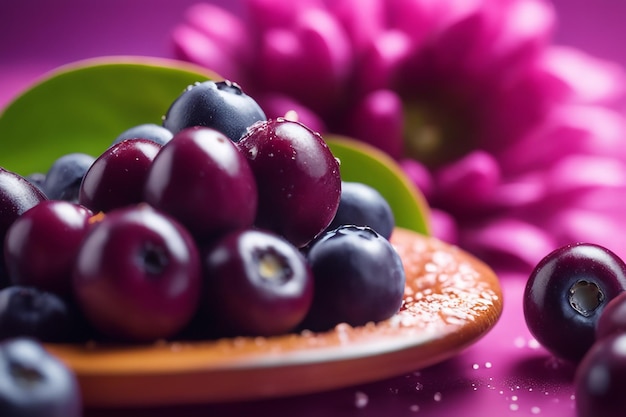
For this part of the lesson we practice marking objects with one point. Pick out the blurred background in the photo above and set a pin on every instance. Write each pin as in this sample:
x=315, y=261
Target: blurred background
x=38, y=35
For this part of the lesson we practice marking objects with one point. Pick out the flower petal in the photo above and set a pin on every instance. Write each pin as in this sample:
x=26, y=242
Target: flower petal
x=508, y=244
x=263, y=15
x=589, y=79
x=363, y=20
x=378, y=120
x=571, y=129
x=420, y=175
x=444, y=226
x=579, y=225
x=578, y=172
x=380, y=61
x=192, y=45
x=278, y=105
x=222, y=27
x=469, y=181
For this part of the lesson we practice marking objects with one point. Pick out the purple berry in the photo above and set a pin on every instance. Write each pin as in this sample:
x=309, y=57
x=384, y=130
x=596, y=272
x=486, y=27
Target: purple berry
x=257, y=284
x=35, y=383
x=202, y=180
x=613, y=317
x=117, y=177
x=41, y=245
x=16, y=196
x=297, y=176
x=358, y=278
x=601, y=378
x=220, y=105
x=137, y=275
x=566, y=294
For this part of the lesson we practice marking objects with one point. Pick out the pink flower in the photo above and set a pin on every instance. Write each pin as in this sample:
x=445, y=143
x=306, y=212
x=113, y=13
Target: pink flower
x=513, y=140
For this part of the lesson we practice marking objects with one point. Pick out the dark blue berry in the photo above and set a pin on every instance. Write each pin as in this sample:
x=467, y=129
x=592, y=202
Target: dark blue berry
x=220, y=105
x=65, y=175
x=149, y=131
x=35, y=383
x=27, y=311
x=358, y=278
x=362, y=205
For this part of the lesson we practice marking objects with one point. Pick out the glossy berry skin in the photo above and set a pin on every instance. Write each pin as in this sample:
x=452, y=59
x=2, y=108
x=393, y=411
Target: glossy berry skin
x=297, y=176
x=27, y=311
x=257, y=284
x=219, y=105
x=137, y=276
x=363, y=205
x=16, y=196
x=566, y=294
x=41, y=245
x=118, y=176
x=613, y=317
x=34, y=383
x=202, y=179
x=150, y=131
x=65, y=175
x=601, y=377
x=358, y=278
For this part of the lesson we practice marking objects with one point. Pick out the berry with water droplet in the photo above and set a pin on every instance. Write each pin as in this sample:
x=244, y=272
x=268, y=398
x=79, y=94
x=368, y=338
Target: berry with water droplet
x=297, y=177
x=220, y=105
x=201, y=179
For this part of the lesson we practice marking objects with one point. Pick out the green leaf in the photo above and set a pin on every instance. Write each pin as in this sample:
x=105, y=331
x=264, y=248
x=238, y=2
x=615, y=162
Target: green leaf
x=363, y=163
x=82, y=107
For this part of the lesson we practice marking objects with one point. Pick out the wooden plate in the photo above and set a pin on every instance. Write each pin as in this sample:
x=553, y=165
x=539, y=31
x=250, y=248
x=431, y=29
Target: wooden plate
x=451, y=300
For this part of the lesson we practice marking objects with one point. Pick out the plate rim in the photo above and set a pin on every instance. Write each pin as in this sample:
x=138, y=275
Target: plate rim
x=276, y=374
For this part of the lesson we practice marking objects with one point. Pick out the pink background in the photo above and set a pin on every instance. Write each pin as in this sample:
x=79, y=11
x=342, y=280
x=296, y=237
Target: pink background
x=505, y=374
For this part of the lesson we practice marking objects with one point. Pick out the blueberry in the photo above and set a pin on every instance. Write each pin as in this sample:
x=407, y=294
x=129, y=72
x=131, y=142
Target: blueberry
x=362, y=205
x=358, y=278
x=601, y=377
x=220, y=105
x=566, y=294
x=65, y=175
x=33, y=383
x=149, y=131
x=257, y=284
x=37, y=179
x=27, y=311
